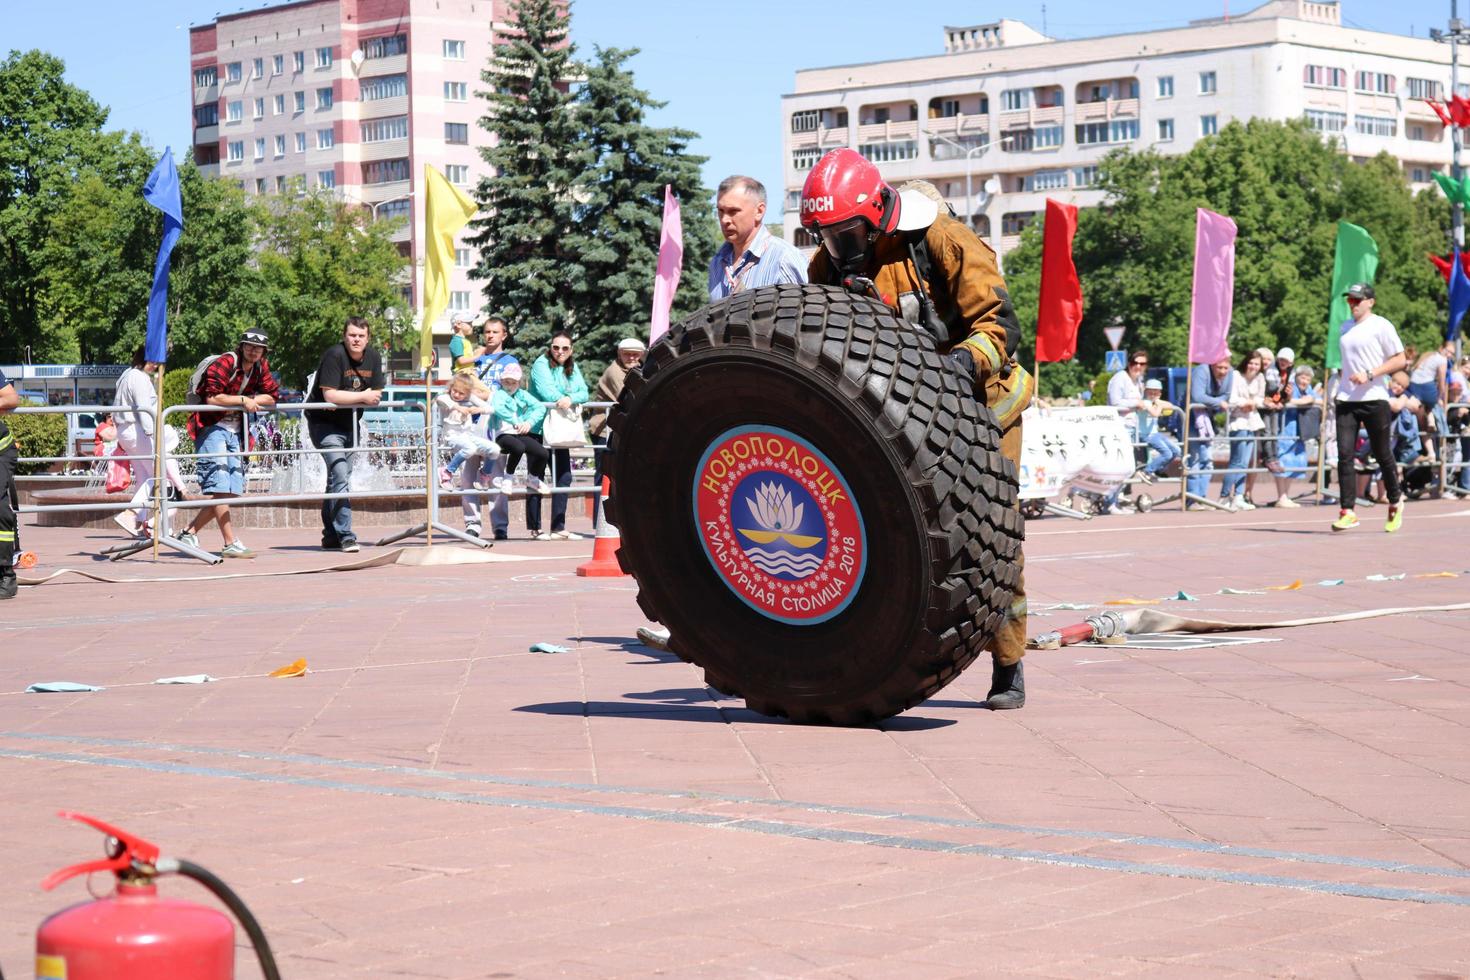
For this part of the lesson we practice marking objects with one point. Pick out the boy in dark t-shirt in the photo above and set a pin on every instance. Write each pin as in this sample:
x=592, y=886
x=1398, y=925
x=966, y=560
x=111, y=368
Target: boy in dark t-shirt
x=350, y=375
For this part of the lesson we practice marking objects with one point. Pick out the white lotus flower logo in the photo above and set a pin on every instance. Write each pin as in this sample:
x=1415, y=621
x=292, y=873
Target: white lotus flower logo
x=772, y=509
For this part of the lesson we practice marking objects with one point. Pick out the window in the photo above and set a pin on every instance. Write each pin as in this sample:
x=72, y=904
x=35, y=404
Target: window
x=457, y=173
x=281, y=184
x=1015, y=222
x=1166, y=130
x=461, y=258
x=324, y=98
x=384, y=87
x=278, y=65
x=1084, y=176
x=1320, y=76
x=298, y=61
x=257, y=68
x=388, y=128
x=1424, y=88
x=235, y=151
x=324, y=139
x=234, y=111
x=1209, y=125
x=326, y=178
x=394, y=209
x=324, y=57
x=456, y=91
x=1376, y=125
x=458, y=133
x=281, y=145
x=1420, y=175
x=385, y=171
x=1207, y=83
x=206, y=115
x=804, y=122
x=1045, y=180
x=1423, y=135
x=232, y=72
x=300, y=142
x=1376, y=82
x=459, y=299
x=258, y=109
x=385, y=47
x=1326, y=122
x=805, y=159
x=454, y=50
x=1166, y=86
x=953, y=148
x=260, y=185
x=1117, y=131
x=949, y=108
x=279, y=104
x=1015, y=99
x=888, y=152
x=260, y=148
x=300, y=101
x=205, y=77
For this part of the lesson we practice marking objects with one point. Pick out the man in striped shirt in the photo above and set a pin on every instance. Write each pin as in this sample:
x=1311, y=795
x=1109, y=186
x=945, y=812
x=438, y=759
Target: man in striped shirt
x=751, y=256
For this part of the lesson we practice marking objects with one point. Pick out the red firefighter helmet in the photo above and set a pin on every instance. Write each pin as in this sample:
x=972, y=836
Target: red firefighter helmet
x=846, y=202
x=845, y=185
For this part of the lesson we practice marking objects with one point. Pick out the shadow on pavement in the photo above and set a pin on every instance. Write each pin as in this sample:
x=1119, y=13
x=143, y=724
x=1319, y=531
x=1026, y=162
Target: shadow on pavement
x=693, y=704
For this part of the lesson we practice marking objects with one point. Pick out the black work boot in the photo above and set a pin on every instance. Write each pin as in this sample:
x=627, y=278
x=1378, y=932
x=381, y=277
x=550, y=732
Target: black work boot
x=1007, y=687
x=8, y=583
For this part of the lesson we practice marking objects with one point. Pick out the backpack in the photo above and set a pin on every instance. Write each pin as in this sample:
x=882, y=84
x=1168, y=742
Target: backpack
x=194, y=398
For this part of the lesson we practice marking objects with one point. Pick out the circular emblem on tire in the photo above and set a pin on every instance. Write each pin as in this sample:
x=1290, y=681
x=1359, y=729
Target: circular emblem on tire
x=779, y=525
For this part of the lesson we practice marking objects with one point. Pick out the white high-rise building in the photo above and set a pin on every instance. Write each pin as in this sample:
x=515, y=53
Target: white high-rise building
x=351, y=95
x=1007, y=117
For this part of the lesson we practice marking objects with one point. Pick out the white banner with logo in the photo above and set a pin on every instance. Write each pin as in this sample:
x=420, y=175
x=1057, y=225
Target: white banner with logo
x=1088, y=448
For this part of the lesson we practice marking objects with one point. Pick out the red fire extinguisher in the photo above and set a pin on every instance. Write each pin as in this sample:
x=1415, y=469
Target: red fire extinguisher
x=134, y=934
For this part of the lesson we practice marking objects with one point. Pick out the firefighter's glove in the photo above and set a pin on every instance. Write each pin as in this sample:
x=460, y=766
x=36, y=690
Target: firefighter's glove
x=964, y=363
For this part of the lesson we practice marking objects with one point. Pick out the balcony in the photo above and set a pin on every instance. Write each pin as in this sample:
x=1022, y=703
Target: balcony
x=393, y=65
x=1106, y=111
x=206, y=134
x=957, y=126
x=1419, y=110
x=821, y=138
x=1050, y=115
x=888, y=132
x=206, y=93
x=383, y=150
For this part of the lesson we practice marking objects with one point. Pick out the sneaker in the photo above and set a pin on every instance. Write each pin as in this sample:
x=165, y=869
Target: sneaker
x=236, y=549
x=446, y=478
x=1240, y=503
x=350, y=545
x=1146, y=477
x=1227, y=503
x=330, y=545
x=537, y=485
x=502, y=484
x=189, y=538
x=125, y=520
x=473, y=530
x=1346, y=520
x=542, y=536
x=502, y=535
x=566, y=535
x=1286, y=502
x=1395, y=517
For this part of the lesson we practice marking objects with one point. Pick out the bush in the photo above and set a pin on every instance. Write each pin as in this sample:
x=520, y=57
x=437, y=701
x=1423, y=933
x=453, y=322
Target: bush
x=176, y=386
x=37, y=435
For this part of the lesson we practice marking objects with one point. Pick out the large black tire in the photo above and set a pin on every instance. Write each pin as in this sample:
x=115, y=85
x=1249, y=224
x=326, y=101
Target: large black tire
x=857, y=434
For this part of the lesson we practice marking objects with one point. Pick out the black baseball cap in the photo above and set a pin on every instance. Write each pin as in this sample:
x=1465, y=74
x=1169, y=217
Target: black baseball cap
x=1360, y=290
x=255, y=336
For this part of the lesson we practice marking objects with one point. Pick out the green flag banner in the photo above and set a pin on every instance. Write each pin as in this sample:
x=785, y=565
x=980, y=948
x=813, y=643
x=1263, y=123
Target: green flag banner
x=1356, y=261
x=1458, y=191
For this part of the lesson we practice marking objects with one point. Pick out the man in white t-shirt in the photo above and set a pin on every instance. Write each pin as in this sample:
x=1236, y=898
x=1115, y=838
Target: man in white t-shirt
x=1371, y=351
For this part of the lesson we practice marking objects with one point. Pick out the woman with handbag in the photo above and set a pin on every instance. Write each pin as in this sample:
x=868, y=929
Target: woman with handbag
x=557, y=382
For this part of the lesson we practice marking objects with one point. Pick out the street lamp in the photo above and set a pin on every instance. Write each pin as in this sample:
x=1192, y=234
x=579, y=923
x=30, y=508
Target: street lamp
x=991, y=186
x=391, y=200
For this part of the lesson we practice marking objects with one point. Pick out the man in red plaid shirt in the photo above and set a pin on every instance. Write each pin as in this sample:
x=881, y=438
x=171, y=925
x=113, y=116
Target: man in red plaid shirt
x=241, y=381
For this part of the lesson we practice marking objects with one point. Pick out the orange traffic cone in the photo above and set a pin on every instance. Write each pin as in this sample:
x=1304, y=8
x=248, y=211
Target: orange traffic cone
x=604, y=561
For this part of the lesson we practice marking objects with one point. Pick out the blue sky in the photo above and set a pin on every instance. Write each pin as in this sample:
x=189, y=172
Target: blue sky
x=721, y=67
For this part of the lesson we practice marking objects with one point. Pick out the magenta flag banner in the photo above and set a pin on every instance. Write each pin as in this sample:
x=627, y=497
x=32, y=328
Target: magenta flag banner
x=1214, y=287
x=670, y=264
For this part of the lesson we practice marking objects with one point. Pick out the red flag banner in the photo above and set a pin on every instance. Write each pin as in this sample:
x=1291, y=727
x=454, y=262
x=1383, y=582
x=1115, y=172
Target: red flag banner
x=1439, y=111
x=1460, y=110
x=1060, y=309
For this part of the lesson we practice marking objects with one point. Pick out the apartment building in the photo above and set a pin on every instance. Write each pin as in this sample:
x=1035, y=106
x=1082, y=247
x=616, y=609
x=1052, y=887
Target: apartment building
x=353, y=96
x=1006, y=117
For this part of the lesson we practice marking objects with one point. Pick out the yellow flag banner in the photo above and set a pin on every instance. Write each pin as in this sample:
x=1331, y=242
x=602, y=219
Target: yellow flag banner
x=446, y=209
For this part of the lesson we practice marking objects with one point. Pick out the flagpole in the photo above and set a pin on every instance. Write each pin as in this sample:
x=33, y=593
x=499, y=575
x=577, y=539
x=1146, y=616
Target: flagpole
x=1188, y=427
x=159, y=474
x=1322, y=442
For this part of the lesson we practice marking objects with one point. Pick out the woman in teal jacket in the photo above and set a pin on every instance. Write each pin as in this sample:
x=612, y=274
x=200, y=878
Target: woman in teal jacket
x=557, y=381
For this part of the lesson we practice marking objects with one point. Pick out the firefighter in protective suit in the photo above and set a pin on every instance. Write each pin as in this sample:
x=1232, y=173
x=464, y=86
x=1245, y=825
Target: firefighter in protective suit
x=938, y=275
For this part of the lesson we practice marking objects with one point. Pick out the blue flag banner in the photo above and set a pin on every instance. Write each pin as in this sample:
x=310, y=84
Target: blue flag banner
x=1459, y=297
x=162, y=191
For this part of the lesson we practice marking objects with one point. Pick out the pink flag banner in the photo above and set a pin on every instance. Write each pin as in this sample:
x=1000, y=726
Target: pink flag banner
x=1214, y=287
x=670, y=264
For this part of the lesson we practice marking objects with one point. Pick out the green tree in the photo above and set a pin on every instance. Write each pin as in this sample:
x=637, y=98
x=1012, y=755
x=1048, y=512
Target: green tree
x=618, y=226
x=1286, y=189
x=51, y=143
x=532, y=273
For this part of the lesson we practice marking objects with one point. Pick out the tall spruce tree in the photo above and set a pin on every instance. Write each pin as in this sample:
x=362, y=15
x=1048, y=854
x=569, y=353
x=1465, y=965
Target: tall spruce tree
x=531, y=271
x=620, y=216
